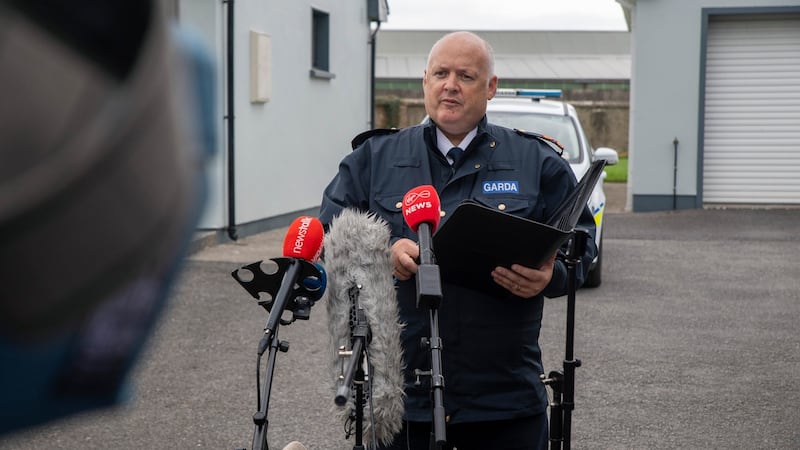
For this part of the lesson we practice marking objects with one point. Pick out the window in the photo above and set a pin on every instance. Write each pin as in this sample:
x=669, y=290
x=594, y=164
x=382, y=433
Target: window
x=320, y=44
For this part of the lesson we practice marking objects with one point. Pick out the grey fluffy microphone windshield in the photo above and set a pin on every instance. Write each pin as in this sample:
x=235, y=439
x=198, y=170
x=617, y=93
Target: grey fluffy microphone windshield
x=358, y=260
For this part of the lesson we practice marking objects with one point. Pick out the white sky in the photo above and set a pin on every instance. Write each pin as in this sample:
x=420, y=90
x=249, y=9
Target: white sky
x=505, y=15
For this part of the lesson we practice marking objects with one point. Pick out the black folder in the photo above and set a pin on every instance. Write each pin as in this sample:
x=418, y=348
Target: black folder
x=566, y=216
x=476, y=238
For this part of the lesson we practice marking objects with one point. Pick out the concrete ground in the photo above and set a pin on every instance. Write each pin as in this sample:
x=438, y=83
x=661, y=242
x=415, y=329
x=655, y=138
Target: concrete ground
x=616, y=197
x=691, y=342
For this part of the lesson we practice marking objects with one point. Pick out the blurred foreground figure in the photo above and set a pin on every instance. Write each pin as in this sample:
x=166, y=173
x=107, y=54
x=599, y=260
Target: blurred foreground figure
x=104, y=131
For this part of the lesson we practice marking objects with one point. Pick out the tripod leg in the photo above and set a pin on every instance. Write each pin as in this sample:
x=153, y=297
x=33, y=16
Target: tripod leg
x=359, y=382
x=577, y=249
x=555, y=380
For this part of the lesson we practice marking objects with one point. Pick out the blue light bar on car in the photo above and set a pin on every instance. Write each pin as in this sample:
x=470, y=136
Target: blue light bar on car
x=530, y=93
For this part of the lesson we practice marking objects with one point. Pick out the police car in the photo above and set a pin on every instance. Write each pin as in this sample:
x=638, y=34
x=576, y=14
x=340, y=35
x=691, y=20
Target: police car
x=534, y=110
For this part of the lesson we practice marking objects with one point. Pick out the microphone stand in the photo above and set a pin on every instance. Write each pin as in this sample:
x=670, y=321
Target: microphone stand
x=288, y=292
x=260, y=417
x=562, y=382
x=354, y=375
x=429, y=294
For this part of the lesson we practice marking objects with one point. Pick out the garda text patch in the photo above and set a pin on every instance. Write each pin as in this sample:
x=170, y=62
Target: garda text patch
x=500, y=187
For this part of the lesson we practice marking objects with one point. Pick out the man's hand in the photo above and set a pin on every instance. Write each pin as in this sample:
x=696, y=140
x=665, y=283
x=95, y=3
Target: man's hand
x=404, y=259
x=522, y=281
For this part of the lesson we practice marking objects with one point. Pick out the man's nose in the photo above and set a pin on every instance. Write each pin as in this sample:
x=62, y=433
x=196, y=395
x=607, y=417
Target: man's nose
x=451, y=82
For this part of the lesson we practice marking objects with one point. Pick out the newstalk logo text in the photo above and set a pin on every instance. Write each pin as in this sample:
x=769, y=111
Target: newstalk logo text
x=302, y=231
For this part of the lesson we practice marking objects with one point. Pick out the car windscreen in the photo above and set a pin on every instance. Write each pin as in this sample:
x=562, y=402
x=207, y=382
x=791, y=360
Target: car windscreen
x=559, y=128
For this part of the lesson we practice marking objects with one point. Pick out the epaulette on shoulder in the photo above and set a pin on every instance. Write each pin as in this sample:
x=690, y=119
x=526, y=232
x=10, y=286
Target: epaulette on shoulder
x=358, y=140
x=554, y=144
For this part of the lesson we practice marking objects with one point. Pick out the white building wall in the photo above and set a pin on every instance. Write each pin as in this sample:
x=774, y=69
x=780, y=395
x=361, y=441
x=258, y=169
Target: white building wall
x=664, y=106
x=287, y=149
x=205, y=19
x=665, y=93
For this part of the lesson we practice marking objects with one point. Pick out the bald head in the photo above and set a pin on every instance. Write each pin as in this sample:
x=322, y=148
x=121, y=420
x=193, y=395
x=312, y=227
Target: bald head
x=459, y=79
x=471, y=39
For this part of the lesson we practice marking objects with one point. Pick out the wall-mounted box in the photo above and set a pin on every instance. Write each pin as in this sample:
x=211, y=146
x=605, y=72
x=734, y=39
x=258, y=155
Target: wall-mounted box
x=260, y=67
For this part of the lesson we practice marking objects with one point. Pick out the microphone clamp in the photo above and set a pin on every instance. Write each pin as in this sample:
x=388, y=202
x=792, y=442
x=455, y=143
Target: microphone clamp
x=304, y=294
x=360, y=338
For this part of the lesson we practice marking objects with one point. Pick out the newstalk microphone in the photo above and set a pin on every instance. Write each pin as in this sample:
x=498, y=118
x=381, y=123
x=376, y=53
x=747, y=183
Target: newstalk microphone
x=361, y=292
x=297, y=283
x=294, y=286
x=302, y=247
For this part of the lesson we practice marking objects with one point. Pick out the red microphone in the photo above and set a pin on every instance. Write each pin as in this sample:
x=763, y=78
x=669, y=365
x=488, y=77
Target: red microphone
x=421, y=205
x=304, y=239
x=421, y=211
x=301, y=248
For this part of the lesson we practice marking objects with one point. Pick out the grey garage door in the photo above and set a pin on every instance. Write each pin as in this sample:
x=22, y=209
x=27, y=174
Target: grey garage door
x=751, y=142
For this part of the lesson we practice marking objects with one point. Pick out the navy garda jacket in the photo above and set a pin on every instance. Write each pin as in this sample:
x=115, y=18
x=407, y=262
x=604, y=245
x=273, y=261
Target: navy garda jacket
x=491, y=358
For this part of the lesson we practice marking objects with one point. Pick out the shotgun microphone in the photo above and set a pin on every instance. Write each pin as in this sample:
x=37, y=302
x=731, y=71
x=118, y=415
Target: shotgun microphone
x=358, y=262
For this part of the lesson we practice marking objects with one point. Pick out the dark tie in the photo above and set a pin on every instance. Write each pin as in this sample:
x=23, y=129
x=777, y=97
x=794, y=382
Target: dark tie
x=455, y=154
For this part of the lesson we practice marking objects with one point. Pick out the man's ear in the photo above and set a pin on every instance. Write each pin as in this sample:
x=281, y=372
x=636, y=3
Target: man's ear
x=492, y=87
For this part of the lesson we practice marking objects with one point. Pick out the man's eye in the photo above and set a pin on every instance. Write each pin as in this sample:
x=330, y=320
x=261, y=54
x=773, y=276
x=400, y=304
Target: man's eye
x=440, y=74
x=466, y=77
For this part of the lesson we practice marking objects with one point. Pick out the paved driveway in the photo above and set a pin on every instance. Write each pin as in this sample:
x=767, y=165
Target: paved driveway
x=691, y=342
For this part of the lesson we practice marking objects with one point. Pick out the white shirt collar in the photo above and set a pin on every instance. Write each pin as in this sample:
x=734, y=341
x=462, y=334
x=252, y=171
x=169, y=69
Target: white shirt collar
x=444, y=145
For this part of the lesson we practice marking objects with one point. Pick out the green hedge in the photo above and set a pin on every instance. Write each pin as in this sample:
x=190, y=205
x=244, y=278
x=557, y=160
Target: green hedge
x=618, y=173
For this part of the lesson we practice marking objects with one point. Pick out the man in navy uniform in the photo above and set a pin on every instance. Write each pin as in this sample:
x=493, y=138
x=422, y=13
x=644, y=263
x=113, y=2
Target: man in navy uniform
x=493, y=396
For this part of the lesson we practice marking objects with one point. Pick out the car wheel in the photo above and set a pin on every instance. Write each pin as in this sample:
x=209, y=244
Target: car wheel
x=594, y=277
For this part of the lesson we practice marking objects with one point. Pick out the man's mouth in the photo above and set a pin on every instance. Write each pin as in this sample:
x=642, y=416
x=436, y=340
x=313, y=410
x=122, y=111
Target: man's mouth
x=450, y=102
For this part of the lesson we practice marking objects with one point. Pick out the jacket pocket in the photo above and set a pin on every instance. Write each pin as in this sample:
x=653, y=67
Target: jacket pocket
x=517, y=205
x=390, y=207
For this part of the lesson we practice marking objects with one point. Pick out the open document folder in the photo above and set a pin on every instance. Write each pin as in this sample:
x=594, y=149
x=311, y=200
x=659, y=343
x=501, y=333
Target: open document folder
x=476, y=239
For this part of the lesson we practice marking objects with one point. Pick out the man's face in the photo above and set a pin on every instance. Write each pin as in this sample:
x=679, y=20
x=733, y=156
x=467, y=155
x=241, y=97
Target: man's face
x=457, y=85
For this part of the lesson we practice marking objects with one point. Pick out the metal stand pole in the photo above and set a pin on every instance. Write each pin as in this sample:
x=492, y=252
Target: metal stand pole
x=429, y=294
x=260, y=417
x=359, y=382
x=434, y=343
x=284, y=295
x=354, y=374
x=562, y=382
